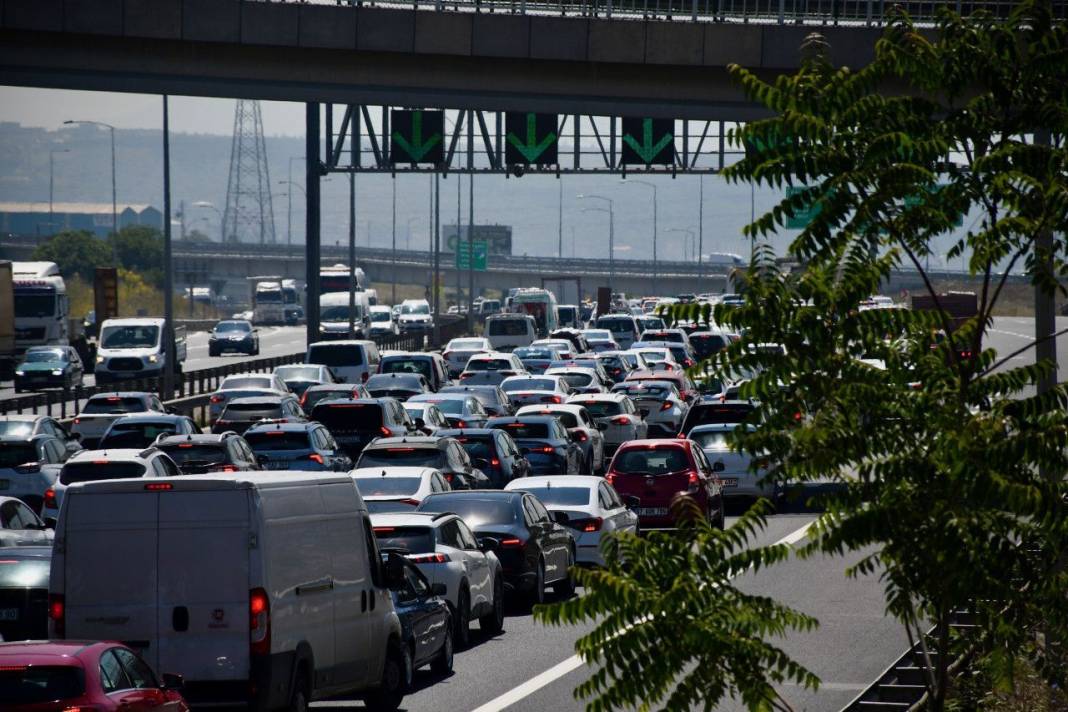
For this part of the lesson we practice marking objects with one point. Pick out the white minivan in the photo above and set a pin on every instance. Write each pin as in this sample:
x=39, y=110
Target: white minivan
x=510, y=331
x=351, y=361
x=264, y=589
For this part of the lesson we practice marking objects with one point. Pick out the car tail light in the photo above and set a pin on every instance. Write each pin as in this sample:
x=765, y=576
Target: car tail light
x=694, y=482
x=512, y=542
x=217, y=398
x=385, y=431
x=548, y=450
x=77, y=421
x=412, y=502
x=50, y=499
x=551, y=399
x=582, y=436
x=159, y=487
x=680, y=436
x=57, y=613
x=316, y=457
x=610, y=477
x=378, y=530
x=448, y=477
x=430, y=559
x=507, y=373
x=620, y=420
x=259, y=624
x=465, y=375
x=227, y=468
x=495, y=462
x=592, y=524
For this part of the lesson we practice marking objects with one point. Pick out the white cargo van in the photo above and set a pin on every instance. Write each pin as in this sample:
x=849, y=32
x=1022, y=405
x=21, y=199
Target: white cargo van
x=134, y=348
x=350, y=361
x=264, y=589
x=510, y=331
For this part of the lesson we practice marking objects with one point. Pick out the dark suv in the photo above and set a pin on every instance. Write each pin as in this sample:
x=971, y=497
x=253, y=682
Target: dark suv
x=493, y=451
x=242, y=413
x=199, y=454
x=356, y=422
x=443, y=454
x=234, y=335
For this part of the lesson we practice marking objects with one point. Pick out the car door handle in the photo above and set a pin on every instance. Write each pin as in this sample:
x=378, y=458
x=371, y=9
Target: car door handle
x=315, y=587
x=363, y=601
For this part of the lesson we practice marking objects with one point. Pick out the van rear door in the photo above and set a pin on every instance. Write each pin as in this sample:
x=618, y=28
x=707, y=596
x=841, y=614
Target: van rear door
x=110, y=569
x=203, y=601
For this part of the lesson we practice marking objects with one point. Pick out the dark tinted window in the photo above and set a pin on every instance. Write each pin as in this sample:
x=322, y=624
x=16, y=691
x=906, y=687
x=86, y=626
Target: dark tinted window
x=195, y=455
x=406, y=365
x=335, y=355
x=519, y=431
x=314, y=396
x=508, y=327
x=416, y=540
x=561, y=496
x=706, y=413
x=381, y=506
x=577, y=380
x=15, y=454
x=113, y=404
x=91, y=471
x=349, y=417
x=655, y=461
x=602, y=409
x=704, y=345
x=250, y=411
x=402, y=457
x=36, y=684
x=475, y=510
x=480, y=447
x=136, y=435
x=452, y=406
x=489, y=364
x=377, y=486
x=277, y=440
x=529, y=384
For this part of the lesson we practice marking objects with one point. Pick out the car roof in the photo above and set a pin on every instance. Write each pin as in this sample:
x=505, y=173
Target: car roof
x=259, y=400
x=120, y=394
x=656, y=442
x=49, y=652
x=410, y=440
x=197, y=438
x=342, y=342
x=408, y=354
x=298, y=427
x=490, y=355
x=150, y=417
x=407, y=519
x=572, y=480
x=476, y=494
x=530, y=418
x=557, y=370
x=433, y=397
x=116, y=454
x=331, y=387
x=391, y=471
x=614, y=396
x=465, y=432
x=23, y=418
x=536, y=408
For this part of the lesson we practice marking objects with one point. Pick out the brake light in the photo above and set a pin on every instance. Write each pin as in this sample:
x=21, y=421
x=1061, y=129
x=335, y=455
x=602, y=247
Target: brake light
x=259, y=624
x=385, y=431
x=57, y=613
x=381, y=529
x=159, y=486
x=582, y=436
x=113, y=399
x=551, y=399
x=547, y=450
x=666, y=405
x=495, y=462
x=228, y=468
x=620, y=420
x=593, y=524
x=400, y=449
x=448, y=477
x=316, y=457
x=185, y=445
x=409, y=500
x=304, y=399
x=430, y=559
x=77, y=421
x=217, y=398
x=50, y=499
x=511, y=542
x=465, y=375
x=461, y=424
x=610, y=477
x=694, y=482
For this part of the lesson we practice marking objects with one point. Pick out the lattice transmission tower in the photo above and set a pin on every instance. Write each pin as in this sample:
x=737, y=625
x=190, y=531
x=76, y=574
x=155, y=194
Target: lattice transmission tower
x=249, y=214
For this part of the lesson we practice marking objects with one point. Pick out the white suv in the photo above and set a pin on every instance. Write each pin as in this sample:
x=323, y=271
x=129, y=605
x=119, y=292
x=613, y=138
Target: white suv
x=446, y=551
x=93, y=465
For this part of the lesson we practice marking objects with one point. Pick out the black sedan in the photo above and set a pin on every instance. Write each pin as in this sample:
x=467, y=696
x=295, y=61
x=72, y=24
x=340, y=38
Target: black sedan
x=545, y=443
x=426, y=626
x=401, y=386
x=234, y=335
x=24, y=592
x=535, y=549
x=493, y=451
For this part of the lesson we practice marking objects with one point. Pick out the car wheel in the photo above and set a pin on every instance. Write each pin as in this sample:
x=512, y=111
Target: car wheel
x=299, y=695
x=390, y=692
x=537, y=594
x=256, y=351
x=565, y=588
x=442, y=664
x=462, y=629
x=213, y=352
x=493, y=622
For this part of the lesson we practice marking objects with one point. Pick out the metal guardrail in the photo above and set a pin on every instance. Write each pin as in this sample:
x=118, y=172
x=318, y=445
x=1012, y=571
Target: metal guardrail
x=800, y=12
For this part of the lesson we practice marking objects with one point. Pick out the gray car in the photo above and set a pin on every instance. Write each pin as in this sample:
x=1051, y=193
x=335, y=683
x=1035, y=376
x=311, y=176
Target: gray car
x=741, y=475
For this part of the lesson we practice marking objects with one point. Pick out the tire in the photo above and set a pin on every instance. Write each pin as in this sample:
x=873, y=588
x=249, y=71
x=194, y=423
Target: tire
x=299, y=696
x=256, y=351
x=537, y=594
x=212, y=352
x=493, y=622
x=461, y=634
x=388, y=695
x=442, y=664
x=565, y=588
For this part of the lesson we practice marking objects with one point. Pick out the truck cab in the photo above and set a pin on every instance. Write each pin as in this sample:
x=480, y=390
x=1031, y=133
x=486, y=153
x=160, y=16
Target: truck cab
x=42, y=306
x=134, y=348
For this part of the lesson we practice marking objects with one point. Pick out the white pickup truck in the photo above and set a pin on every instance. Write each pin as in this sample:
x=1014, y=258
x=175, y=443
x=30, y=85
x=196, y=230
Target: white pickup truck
x=133, y=348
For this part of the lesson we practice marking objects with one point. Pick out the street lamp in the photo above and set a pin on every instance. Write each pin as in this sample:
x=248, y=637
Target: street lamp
x=51, y=175
x=611, y=232
x=692, y=245
x=211, y=206
x=114, y=200
x=289, y=207
x=653, y=186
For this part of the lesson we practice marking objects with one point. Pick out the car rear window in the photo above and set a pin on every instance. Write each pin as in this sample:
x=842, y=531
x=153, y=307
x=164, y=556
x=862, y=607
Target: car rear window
x=250, y=411
x=508, y=327
x=136, y=435
x=529, y=384
x=295, y=373
x=195, y=455
x=384, y=506
x=577, y=380
x=349, y=417
x=601, y=409
x=449, y=406
x=17, y=571
x=520, y=431
x=93, y=471
x=101, y=405
x=482, y=447
x=15, y=454
x=476, y=511
x=706, y=345
x=313, y=397
x=616, y=326
x=414, y=540
x=266, y=440
x=37, y=684
x=561, y=496
x=335, y=355
x=15, y=428
x=401, y=456
x=406, y=365
x=378, y=486
x=239, y=382
x=651, y=461
x=489, y=364
x=711, y=439
x=715, y=413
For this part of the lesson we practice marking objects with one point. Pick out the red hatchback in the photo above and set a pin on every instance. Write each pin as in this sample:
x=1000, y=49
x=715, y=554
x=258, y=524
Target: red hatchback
x=657, y=471
x=55, y=676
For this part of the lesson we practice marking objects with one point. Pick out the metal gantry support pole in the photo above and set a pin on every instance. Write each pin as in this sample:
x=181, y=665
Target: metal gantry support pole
x=168, y=276
x=393, y=272
x=311, y=218
x=700, y=225
x=437, y=257
x=352, y=255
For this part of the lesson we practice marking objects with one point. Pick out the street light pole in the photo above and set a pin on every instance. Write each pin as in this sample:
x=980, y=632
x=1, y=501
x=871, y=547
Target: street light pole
x=352, y=255
x=168, y=277
x=655, y=202
x=611, y=233
x=437, y=257
x=51, y=186
x=114, y=195
x=700, y=224
x=394, y=266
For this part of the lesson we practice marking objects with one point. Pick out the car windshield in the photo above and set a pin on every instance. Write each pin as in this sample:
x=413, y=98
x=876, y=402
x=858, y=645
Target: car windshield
x=406, y=365
x=35, y=305
x=241, y=382
x=465, y=345
x=45, y=356
x=378, y=486
x=402, y=457
x=601, y=409
x=521, y=431
x=335, y=355
x=136, y=435
x=262, y=440
x=341, y=313
x=349, y=417
x=129, y=337
x=195, y=455
x=529, y=384
x=561, y=496
x=39, y=684
x=91, y=471
x=508, y=327
x=106, y=405
x=414, y=540
x=474, y=510
x=15, y=454
x=298, y=373
x=489, y=364
x=381, y=316
x=415, y=309
x=711, y=439
x=15, y=429
x=651, y=461
x=235, y=326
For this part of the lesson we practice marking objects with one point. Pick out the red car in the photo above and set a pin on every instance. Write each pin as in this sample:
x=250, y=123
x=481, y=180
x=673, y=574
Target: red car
x=657, y=471
x=54, y=676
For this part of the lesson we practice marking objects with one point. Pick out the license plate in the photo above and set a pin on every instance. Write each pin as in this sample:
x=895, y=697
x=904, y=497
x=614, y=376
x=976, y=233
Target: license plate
x=652, y=511
x=277, y=465
x=9, y=614
x=729, y=481
x=5, y=484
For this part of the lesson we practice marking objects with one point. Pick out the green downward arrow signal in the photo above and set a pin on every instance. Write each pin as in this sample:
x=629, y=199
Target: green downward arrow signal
x=418, y=147
x=532, y=148
x=647, y=150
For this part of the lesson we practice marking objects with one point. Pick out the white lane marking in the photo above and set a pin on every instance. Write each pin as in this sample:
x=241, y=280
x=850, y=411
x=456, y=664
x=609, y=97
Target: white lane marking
x=1026, y=337
x=574, y=662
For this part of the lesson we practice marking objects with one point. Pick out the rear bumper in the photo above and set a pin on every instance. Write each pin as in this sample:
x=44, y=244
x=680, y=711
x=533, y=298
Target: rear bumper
x=268, y=686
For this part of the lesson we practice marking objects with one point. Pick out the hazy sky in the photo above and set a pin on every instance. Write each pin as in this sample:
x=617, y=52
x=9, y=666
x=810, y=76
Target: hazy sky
x=48, y=108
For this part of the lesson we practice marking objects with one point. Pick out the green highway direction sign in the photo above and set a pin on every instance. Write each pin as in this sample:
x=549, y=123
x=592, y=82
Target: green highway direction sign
x=481, y=250
x=648, y=141
x=417, y=137
x=530, y=138
x=801, y=219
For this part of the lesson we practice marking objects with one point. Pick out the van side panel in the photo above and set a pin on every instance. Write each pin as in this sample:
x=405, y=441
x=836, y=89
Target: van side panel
x=352, y=584
x=204, y=541
x=110, y=571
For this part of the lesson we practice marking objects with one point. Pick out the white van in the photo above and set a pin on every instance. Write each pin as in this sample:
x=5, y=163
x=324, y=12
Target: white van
x=264, y=588
x=334, y=314
x=510, y=331
x=350, y=361
x=133, y=347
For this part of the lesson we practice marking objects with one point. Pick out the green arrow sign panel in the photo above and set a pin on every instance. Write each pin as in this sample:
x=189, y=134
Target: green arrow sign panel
x=648, y=141
x=417, y=137
x=530, y=138
x=463, y=255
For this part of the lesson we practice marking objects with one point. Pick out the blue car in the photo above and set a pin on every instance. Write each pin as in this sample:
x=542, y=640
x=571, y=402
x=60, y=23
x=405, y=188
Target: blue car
x=426, y=625
x=297, y=446
x=544, y=441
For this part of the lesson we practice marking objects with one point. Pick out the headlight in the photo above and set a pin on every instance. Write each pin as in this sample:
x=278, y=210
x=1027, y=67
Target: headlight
x=20, y=373
x=322, y=328
x=100, y=359
x=153, y=358
x=57, y=372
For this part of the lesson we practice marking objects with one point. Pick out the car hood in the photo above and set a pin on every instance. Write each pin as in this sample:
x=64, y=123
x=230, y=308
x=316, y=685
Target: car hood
x=128, y=352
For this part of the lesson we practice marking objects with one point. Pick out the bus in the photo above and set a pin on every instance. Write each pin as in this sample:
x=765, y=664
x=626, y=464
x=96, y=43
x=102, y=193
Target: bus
x=540, y=304
x=42, y=306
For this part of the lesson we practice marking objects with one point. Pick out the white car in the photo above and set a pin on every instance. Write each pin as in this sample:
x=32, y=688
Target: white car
x=104, y=408
x=581, y=379
x=499, y=364
x=658, y=358
x=529, y=389
x=580, y=424
x=382, y=322
x=446, y=551
x=659, y=403
x=244, y=385
x=95, y=465
x=415, y=316
x=617, y=413
x=592, y=506
x=565, y=347
x=19, y=526
x=397, y=489
x=432, y=417
x=739, y=476
x=459, y=351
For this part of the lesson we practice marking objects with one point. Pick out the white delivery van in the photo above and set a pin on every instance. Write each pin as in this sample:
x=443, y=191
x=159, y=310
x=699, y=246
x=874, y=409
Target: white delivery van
x=350, y=361
x=510, y=331
x=265, y=589
x=134, y=348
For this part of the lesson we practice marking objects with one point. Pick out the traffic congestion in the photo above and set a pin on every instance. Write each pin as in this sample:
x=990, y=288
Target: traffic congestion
x=334, y=526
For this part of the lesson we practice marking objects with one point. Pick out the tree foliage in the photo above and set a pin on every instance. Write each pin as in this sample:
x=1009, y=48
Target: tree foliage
x=76, y=252
x=140, y=248
x=672, y=630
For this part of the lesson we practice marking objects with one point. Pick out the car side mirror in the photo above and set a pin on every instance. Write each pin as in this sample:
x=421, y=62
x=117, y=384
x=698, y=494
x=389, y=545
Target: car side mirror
x=75, y=436
x=50, y=522
x=394, y=571
x=481, y=463
x=561, y=518
x=602, y=426
x=488, y=543
x=718, y=466
x=438, y=589
x=173, y=681
x=420, y=423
